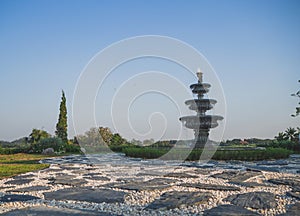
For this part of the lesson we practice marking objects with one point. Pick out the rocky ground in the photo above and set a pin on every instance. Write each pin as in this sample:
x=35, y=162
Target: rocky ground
x=143, y=189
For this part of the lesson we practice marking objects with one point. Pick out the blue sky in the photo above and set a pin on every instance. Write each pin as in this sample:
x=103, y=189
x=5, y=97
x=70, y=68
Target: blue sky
x=254, y=47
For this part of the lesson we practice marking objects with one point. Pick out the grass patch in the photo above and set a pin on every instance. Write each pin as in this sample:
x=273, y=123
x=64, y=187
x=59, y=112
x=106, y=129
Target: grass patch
x=15, y=164
x=9, y=170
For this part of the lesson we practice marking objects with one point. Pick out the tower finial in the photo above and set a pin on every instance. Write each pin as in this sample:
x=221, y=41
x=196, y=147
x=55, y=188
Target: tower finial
x=199, y=75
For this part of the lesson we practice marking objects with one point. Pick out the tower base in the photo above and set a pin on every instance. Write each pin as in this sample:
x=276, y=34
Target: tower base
x=201, y=137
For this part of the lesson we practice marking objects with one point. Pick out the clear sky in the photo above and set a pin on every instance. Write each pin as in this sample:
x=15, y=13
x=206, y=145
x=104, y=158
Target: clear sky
x=254, y=47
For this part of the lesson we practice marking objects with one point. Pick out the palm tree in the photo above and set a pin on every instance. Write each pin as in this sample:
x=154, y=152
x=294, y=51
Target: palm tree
x=298, y=134
x=291, y=133
x=281, y=136
x=37, y=135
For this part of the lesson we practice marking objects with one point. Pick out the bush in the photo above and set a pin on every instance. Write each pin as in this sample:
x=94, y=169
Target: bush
x=9, y=150
x=72, y=148
x=144, y=152
x=56, y=143
x=286, y=144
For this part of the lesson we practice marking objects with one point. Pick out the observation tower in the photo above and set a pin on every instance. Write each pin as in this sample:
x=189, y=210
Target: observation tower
x=201, y=123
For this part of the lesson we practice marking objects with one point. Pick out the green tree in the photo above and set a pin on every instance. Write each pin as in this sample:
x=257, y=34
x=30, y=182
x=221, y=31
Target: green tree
x=106, y=134
x=297, y=108
x=61, y=126
x=281, y=136
x=136, y=142
x=37, y=135
x=291, y=133
x=117, y=140
x=92, y=137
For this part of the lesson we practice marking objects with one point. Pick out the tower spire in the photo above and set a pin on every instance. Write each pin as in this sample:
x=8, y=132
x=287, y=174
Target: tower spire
x=199, y=75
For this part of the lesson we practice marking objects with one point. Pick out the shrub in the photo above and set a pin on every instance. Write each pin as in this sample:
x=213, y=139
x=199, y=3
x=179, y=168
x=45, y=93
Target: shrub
x=72, y=148
x=286, y=144
x=56, y=143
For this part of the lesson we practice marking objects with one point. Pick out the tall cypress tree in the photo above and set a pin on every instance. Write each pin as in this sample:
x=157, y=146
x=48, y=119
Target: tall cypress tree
x=61, y=126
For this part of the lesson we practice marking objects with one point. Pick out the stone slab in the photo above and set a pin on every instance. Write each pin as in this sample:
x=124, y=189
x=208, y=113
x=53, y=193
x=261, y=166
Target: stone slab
x=23, y=176
x=91, y=174
x=210, y=187
x=4, y=188
x=129, y=179
x=295, y=194
x=151, y=173
x=255, y=200
x=250, y=184
x=17, y=198
x=153, y=184
x=19, y=181
x=233, y=176
x=229, y=210
x=293, y=182
x=180, y=175
x=243, y=176
x=53, y=211
x=293, y=210
x=202, y=171
x=67, y=180
x=32, y=188
x=98, y=178
x=225, y=175
x=178, y=199
x=86, y=194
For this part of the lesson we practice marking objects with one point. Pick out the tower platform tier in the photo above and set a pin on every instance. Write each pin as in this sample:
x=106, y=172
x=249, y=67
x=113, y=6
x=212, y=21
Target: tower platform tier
x=201, y=105
x=201, y=122
x=200, y=88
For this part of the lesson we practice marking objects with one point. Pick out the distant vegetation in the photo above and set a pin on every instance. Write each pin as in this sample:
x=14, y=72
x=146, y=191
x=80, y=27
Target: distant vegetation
x=97, y=140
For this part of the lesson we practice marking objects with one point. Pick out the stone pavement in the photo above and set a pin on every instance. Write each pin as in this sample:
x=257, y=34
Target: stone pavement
x=148, y=188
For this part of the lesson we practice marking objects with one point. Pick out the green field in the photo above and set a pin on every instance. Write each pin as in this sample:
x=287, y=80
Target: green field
x=15, y=164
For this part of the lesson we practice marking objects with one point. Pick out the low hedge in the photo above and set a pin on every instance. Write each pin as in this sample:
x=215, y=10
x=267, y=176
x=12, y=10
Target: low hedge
x=180, y=154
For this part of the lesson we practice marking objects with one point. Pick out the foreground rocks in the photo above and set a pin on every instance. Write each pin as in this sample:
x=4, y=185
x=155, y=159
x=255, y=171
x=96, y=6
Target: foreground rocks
x=121, y=186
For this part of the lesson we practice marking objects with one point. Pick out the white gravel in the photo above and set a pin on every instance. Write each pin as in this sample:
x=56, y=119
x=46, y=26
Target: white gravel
x=135, y=201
